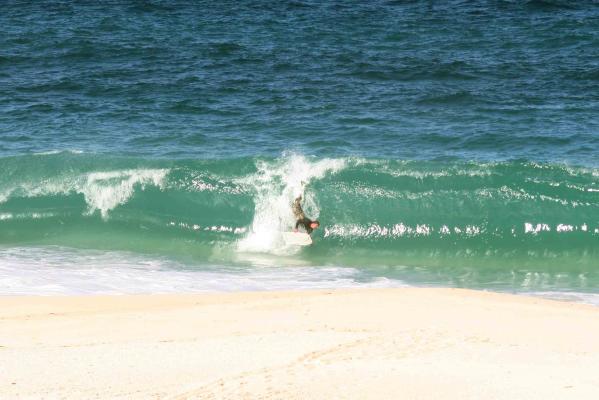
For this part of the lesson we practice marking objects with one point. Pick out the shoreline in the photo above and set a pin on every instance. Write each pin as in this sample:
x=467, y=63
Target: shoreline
x=342, y=343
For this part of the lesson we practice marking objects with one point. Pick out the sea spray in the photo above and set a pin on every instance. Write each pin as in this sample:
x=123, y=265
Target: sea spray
x=276, y=185
x=104, y=191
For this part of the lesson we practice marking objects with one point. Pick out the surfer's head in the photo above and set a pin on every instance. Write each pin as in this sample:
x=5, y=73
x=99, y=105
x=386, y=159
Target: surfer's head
x=314, y=224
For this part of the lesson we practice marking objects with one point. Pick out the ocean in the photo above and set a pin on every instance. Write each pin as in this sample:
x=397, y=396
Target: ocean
x=157, y=146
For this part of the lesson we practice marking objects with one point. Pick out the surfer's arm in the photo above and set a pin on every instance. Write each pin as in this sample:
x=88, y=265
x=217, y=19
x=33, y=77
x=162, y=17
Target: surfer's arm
x=298, y=213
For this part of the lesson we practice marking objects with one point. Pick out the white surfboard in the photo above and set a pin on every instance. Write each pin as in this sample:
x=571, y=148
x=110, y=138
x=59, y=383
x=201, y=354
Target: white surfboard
x=297, y=238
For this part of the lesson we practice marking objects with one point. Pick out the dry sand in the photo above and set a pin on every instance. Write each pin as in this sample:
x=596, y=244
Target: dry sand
x=354, y=344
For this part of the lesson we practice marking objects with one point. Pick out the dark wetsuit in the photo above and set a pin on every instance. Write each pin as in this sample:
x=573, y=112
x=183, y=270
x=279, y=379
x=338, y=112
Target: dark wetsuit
x=298, y=212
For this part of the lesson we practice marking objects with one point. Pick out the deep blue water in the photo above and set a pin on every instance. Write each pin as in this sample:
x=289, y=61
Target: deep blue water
x=403, y=79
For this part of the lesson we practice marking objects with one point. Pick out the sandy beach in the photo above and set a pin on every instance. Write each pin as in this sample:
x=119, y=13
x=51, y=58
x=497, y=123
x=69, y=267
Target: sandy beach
x=346, y=344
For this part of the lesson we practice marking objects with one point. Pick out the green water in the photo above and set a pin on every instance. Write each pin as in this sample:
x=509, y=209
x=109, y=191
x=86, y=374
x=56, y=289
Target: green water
x=428, y=222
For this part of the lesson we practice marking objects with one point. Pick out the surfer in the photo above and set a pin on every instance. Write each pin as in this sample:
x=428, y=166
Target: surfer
x=301, y=219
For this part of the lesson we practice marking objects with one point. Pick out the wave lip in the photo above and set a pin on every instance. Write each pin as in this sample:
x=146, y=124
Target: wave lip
x=102, y=190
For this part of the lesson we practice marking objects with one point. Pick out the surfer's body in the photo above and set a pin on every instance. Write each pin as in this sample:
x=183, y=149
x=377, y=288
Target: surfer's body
x=301, y=219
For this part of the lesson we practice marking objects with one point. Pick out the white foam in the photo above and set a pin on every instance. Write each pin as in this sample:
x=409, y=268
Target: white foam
x=450, y=172
x=51, y=152
x=535, y=229
x=103, y=191
x=57, y=270
x=64, y=271
x=204, y=182
x=276, y=184
x=5, y=216
x=396, y=230
x=564, y=228
x=576, y=297
x=30, y=215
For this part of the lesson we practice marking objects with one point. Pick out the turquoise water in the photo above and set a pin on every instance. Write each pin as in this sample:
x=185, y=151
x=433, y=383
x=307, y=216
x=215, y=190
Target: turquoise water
x=157, y=146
